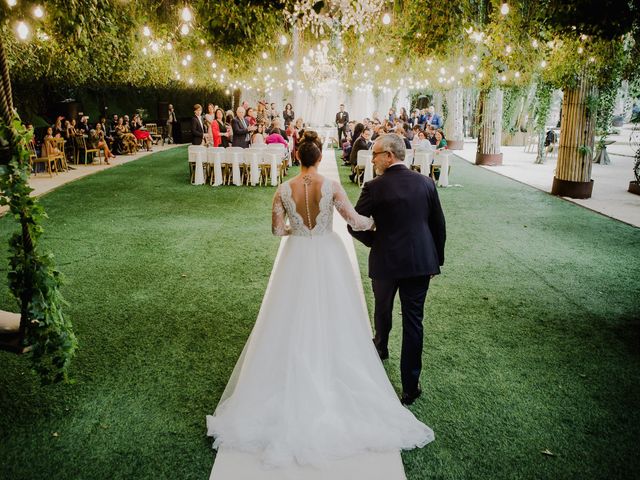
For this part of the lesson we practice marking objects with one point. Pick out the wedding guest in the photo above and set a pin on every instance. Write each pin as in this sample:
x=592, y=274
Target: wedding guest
x=346, y=152
x=84, y=125
x=58, y=128
x=257, y=138
x=219, y=130
x=209, y=118
x=433, y=118
x=275, y=128
x=261, y=114
x=250, y=118
x=172, y=124
x=441, y=142
x=391, y=116
x=276, y=137
x=48, y=145
x=288, y=115
x=97, y=140
x=140, y=132
x=274, y=112
x=197, y=125
x=342, y=119
x=362, y=143
x=125, y=140
x=403, y=115
x=401, y=133
x=241, y=131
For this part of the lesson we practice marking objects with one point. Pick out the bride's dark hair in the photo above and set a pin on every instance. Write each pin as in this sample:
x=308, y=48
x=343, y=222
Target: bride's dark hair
x=309, y=148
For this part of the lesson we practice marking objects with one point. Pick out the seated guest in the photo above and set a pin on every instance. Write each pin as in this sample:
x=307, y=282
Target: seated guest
x=434, y=119
x=430, y=133
x=97, y=140
x=48, y=146
x=276, y=137
x=68, y=132
x=441, y=142
x=58, y=129
x=361, y=143
x=275, y=128
x=112, y=125
x=125, y=141
x=84, y=125
x=140, y=132
x=347, y=152
x=400, y=132
x=257, y=138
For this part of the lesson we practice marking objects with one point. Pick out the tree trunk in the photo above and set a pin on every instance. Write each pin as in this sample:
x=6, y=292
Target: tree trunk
x=575, y=151
x=453, y=122
x=490, y=135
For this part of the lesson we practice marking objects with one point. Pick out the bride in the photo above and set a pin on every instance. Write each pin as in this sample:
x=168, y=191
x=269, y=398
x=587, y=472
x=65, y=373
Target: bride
x=309, y=385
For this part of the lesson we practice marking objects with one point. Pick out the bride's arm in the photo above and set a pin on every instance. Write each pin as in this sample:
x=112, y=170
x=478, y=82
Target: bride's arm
x=279, y=226
x=356, y=221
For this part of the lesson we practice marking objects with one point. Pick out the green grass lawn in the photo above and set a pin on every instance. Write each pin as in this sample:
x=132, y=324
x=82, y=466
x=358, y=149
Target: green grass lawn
x=531, y=333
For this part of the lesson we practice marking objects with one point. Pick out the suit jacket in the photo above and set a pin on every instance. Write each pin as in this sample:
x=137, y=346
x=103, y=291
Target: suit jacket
x=359, y=144
x=342, y=117
x=240, y=133
x=197, y=131
x=410, y=227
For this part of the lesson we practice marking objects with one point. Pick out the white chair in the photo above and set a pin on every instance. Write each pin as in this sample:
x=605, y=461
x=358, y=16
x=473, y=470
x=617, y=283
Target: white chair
x=271, y=168
x=363, y=157
x=368, y=166
x=252, y=158
x=215, y=158
x=422, y=161
x=234, y=157
x=408, y=158
x=197, y=155
x=443, y=180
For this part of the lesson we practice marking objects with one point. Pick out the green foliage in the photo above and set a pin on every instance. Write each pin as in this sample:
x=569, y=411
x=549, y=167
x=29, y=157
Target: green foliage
x=544, y=94
x=33, y=278
x=511, y=100
x=585, y=150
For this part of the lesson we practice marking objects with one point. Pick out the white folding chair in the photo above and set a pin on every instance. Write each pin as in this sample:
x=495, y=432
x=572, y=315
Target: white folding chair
x=408, y=158
x=363, y=157
x=215, y=158
x=197, y=155
x=252, y=158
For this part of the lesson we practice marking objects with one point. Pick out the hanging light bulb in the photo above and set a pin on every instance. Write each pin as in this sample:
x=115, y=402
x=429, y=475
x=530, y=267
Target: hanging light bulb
x=386, y=19
x=169, y=46
x=146, y=31
x=12, y=3
x=517, y=74
x=283, y=40
x=184, y=29
x=543, y=63
x=504, y=9
x=208, y=53
x=38, y=11
x=534, y=43
x=22, y=29
x=508, y=49
x=371, y=50
x=191, y=81
x=186, y=14
x=189, y=57
x=264, y=55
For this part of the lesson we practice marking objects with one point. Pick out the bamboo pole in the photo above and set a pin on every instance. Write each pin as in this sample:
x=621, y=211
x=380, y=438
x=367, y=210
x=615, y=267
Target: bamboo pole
x=453, y=122
x=577, y=139
x=490, y=135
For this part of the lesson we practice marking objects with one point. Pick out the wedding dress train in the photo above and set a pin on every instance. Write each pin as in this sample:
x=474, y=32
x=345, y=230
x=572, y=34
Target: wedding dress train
x=309, y=386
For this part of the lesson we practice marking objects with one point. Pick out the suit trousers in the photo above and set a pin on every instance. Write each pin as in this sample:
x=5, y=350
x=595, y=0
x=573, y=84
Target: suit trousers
x=413, y=292
x=341, y=134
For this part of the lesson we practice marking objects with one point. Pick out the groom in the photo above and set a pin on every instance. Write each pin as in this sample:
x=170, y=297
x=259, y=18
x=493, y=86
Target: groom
x=407, y=250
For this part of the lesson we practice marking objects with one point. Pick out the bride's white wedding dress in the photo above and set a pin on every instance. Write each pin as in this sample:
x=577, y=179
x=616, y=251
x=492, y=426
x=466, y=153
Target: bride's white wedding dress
x=309, y=386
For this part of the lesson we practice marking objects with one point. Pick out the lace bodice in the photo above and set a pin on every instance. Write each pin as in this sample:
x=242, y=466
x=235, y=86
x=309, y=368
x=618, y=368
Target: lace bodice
x=333, y=194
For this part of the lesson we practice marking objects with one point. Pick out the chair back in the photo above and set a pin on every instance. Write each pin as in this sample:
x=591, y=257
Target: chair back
x=408, y=158
x=215, y=153
x=363, y=157
x=152, y=128
x=251, y=155
x=197, y=151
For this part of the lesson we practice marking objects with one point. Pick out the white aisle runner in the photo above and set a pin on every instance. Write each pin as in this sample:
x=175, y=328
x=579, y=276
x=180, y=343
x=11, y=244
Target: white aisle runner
x=232, y=465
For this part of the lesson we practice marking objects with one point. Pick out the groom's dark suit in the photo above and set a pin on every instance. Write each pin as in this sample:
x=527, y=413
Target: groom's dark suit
x=407, y=247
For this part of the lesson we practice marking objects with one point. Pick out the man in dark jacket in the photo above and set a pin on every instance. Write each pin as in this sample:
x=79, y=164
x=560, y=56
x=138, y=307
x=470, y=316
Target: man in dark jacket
x=197, y=126
x=407, y=250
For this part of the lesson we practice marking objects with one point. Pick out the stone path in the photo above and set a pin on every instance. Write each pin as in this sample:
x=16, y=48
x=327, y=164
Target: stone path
x=231, y=465
x=611, y=182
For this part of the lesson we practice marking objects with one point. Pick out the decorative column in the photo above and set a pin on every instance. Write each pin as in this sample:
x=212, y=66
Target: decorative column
x=436, y=101
x=490, y=135
x=453, y=122
x=575, y=151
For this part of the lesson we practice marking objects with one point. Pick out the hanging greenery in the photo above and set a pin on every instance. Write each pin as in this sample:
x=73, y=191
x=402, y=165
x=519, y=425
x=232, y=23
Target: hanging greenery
x=33, y=279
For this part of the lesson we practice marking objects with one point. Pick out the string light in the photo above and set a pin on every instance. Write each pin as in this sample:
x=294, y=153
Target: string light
x=38, y=11
x=169, y=46
x=12, y=3
x=580, y=49
x=146, y=31
x=184, y=29
x=386, y=19
x=264, y=55
x=504, y=9
x=187, y=16
x=22, y=29
x=208, y=53
x=543, y=63
x=283, y=40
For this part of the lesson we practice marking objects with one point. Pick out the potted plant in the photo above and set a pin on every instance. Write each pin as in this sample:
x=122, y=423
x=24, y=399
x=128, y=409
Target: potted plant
x=634, y=185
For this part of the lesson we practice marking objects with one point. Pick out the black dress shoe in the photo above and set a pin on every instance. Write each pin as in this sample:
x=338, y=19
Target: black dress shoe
x=409, y=398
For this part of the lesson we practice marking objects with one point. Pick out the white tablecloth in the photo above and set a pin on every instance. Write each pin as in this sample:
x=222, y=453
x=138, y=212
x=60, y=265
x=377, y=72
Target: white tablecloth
x=197, y=155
